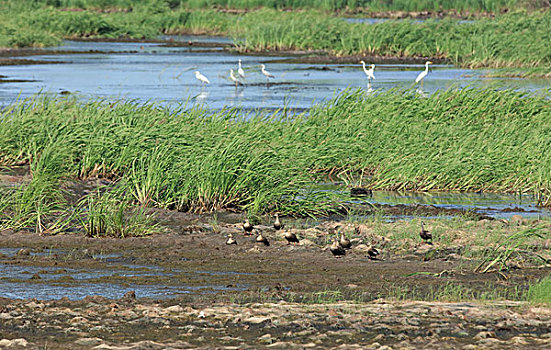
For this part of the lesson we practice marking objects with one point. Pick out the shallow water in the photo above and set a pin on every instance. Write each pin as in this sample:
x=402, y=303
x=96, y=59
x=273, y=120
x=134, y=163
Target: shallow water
x=113, y=281
x=490, y=204
x=499, y=206
x=367, y=20
x=158, y=72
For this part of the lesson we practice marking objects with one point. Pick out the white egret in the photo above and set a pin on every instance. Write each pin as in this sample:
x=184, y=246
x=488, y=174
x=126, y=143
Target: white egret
x=240, y=70
x=267, y=74
x=423, y=74
x=368, y=73
x=234, y=78
x=201, y=77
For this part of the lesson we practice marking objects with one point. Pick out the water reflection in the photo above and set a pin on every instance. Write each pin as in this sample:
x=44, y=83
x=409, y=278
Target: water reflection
x=202, y=97
x=420, y=92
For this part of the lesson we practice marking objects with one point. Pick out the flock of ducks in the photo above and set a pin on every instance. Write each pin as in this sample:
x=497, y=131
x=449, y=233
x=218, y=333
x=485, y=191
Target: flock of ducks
x=338, y=248
x=239, y=79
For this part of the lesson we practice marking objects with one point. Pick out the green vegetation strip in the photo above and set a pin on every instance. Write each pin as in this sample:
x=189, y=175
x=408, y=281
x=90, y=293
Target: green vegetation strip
x=516, y=40
x=196, y=159
x=327, y=5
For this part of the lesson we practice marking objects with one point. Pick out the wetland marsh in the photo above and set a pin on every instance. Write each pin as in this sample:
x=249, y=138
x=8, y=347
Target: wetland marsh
x=121, y=177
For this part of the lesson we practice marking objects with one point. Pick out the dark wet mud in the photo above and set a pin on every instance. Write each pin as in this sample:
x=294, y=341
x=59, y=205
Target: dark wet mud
x=194, y=261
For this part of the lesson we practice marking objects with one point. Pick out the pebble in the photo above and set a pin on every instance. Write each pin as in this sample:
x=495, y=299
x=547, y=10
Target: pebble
x=175, y=309
x=19, y=342
x=89, y=341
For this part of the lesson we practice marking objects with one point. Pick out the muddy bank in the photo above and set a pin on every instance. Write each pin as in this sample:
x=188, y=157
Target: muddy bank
x=295, y=56
x=191, y=258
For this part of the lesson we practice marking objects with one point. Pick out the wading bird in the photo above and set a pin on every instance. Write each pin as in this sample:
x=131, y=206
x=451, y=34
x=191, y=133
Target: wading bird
x=368, y=73
x=424, y=234
x=290, y=237
x=240, y=70
x=423, y=74
x=261, y=239
x=201, y=77
x=231, y=240
x=234, y=78
x=336, y=249
x=267, y=74
x=247, y=227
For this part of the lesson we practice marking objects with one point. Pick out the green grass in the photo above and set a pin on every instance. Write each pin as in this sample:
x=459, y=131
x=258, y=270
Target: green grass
x=518, y=40
x=327, y=5
x=540, y=292
x=200, y=160
x=515, y=40
x=496, y=259
x=111, y=214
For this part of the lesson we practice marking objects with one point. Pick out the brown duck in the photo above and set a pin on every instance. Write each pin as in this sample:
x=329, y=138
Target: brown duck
x=290, y=237
x=231, y=240
x=372, y=253
x=336, y=249
x=345, y=242
x=424, y=234
x=247, y=226
x=261, y=239
x=277, y=223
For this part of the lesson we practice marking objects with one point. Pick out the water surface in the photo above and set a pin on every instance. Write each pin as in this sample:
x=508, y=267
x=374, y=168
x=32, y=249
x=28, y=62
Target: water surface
x=163, y=73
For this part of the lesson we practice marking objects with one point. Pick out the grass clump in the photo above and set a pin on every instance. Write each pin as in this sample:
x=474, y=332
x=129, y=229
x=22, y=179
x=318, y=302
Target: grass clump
x=39, y=204
x=200, y=160
x=110, y=214
x=497, y=259
x=540, y=292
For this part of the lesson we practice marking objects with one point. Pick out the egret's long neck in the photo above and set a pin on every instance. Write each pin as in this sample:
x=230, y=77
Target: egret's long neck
x=363, y=64
x=426, y=67
x=239, y=64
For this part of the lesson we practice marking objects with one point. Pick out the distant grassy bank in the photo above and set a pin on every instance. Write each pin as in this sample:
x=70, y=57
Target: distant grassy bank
x=196, y=159
x=469, y=6
x=518, y=40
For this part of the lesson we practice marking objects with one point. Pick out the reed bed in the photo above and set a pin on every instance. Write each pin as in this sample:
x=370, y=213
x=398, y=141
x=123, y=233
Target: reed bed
x=514, y=40
x=192, y=159
x=511, y=40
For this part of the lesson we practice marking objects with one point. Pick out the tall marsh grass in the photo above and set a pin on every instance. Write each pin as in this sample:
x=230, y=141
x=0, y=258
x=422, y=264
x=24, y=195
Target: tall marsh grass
x=514, y=40
x=200, y=160
x=511, y=40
